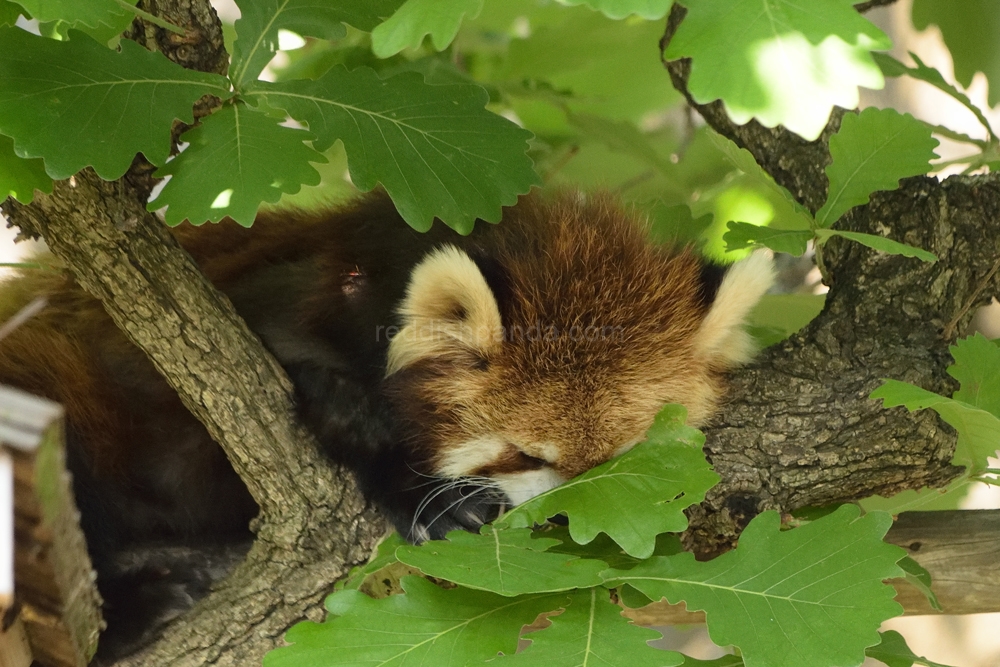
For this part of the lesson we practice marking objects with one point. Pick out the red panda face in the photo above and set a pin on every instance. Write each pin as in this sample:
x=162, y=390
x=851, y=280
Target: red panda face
x=564, y=364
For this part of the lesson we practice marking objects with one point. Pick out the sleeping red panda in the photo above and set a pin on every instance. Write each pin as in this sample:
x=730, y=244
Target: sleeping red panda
x=454, y=375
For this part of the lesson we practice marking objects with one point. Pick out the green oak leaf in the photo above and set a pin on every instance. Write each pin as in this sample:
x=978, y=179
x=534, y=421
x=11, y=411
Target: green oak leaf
x=260, y=20
x=918, y=577
x=894, y=652
x=416, y=18
x=892, y=67
x=779, y=595
x=969, y=29
x=508, y=562
x=9, y=11
x=780, y=61
x=385, y=554
x=745, y=235
x=978, y=429
x=675, y=225
x=79, y=104
x=91, y=13
x=592, y=631
x=437, y=151
x=425, y=626
x=660, y=478
x=878, y=243
x=872, y=151
x=778, y=316
x=237, y=158
x=619, y=9
x=579, y=56
x=19, y=178
x=977, y=368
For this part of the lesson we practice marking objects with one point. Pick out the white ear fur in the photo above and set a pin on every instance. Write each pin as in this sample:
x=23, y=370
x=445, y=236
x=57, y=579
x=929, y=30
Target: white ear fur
x=721, y=338
x=448, y=304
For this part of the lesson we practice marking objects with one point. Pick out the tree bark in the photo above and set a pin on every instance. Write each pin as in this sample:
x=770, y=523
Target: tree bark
x=799, y=428
x=314, y=524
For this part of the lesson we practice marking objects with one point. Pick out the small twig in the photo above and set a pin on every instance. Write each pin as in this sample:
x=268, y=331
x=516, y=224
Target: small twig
x=23, y=316
x=949, y=330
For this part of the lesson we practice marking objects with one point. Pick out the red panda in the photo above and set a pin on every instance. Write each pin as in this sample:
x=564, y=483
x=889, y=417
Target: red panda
x=454, y=375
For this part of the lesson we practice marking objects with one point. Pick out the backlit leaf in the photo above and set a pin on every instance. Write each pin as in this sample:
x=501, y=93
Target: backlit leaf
x=592, y=631
x=425, y=626
x=92, y=13
x=79, y=104
x=437, y=151
x=780, y=61
x=872, y=151
x=417, y=18
x=745, y=235
x=809, y=597
x=657, y=479
x=508, y=562
x=237, y=158
x=260, y=20
x=977, y=368
x=619, y=9
x=969, y=29
x=19, y=178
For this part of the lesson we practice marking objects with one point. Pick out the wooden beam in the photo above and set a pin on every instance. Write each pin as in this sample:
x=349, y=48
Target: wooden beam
x=59, y=607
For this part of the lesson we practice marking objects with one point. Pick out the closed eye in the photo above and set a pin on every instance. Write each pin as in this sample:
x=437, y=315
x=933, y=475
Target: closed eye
x=529, y=462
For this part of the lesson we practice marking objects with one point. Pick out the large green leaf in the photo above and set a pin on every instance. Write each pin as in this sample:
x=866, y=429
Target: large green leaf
x=619, y=9
x=978, y=429
x=872, y=151
x=19, y=178
x=590, y=632
x=508, y=562
x=92, y=13
x=426, y=626
x=417, y=18
x=660, y=478
x=878, y=243
x=237, y=158
x=969, y=28
x=780, y=61
x=437, y=151
x=809, y=597
x=80, y=104
x=260, y=20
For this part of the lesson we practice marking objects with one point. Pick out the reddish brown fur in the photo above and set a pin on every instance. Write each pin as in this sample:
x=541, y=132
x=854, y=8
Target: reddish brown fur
x=573, y=264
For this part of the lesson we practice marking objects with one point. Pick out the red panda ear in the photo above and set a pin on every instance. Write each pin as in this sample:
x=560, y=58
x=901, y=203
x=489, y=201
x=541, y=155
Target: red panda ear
x=721, y=339
x=448, y=307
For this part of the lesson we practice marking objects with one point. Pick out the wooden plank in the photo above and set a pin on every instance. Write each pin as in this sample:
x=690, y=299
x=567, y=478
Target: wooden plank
x=961, y=550
x=14, y=648
x=53, y=577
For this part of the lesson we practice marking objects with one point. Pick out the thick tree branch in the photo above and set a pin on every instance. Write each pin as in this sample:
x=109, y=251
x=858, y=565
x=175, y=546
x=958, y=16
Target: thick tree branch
x=314, y=524
x=799, y=429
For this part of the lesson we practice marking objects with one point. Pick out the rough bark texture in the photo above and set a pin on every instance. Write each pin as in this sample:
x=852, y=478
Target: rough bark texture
x=799, y=429
x=314, y=524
